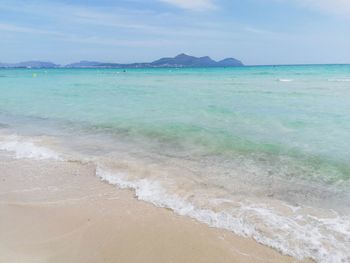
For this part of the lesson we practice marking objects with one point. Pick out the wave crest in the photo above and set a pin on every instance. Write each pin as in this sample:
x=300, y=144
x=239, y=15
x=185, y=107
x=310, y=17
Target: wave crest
x=23, y=148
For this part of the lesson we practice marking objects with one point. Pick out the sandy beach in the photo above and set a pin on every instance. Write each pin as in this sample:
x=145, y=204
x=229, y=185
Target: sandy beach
x=61, y=212
x=174, y=131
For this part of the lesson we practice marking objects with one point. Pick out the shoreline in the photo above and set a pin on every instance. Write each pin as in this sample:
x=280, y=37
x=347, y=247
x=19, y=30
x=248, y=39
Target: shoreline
x=54, y=211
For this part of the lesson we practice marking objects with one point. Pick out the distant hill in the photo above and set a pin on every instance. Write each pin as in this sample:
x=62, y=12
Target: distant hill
x=184, y=60
x=180, y=61
x=230, y=62
x=30, y=64
x=84, y=64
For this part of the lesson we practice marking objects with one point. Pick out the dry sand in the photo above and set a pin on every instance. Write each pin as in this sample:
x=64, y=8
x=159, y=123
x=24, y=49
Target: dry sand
x=61, y=212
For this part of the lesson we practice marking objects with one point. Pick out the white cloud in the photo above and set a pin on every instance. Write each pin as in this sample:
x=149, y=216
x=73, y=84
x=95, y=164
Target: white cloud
x=196, y=5
x=339, y=7
x=82, y=39
x=30, y=30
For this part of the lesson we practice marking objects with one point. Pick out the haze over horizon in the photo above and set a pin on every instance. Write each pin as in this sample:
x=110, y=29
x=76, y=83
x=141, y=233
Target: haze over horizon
x=255, y=31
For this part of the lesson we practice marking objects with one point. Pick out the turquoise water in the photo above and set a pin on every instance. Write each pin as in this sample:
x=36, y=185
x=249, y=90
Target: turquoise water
x=267, y=135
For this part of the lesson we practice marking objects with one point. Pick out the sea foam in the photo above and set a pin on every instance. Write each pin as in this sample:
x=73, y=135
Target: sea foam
x=285, y=80
x=339, y=80
x=25, y=148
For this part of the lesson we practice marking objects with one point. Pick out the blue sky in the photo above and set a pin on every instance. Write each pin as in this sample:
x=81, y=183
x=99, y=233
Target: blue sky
x=254, y=31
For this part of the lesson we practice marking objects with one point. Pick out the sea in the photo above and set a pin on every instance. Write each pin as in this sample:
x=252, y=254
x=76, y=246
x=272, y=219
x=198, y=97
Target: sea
x=262, y=151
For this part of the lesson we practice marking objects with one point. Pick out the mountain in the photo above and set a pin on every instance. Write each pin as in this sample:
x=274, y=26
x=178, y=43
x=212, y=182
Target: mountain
x=180, y=61
x=30, y=64
x=230, y=62
x=84, y=64
x=184, y=60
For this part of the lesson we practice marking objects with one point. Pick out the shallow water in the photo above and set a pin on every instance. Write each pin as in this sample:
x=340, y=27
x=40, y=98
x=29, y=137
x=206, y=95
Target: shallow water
x=261, y=151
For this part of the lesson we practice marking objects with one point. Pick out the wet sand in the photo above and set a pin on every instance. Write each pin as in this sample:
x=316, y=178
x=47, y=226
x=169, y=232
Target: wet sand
x=61, y=212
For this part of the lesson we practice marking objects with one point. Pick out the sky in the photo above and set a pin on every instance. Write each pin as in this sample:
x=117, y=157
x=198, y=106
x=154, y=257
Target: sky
x=258, y=32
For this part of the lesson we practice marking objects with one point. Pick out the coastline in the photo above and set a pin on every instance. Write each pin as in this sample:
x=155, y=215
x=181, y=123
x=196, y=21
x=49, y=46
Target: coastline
x=53, y=211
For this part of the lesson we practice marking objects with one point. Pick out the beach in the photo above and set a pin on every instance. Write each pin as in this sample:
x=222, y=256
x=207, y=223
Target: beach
x=61, y=212
x=174, y=131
